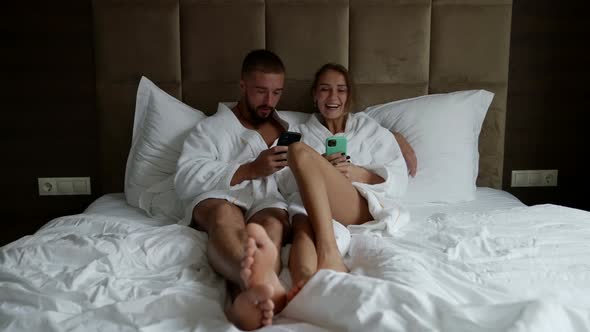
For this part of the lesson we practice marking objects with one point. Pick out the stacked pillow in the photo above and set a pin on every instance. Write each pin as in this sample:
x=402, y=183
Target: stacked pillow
x=160, y=126
x=443, y=130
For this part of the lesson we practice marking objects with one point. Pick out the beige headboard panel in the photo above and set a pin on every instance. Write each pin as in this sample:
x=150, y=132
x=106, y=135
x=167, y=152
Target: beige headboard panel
x=394, y=48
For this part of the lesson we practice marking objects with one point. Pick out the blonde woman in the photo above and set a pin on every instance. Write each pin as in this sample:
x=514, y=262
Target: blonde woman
x=352, y=188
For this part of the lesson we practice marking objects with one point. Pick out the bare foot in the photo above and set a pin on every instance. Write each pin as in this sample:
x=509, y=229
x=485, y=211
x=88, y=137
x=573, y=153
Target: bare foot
x=252, y=309
x=258, y=264
x=295, y=290
x=331, y=260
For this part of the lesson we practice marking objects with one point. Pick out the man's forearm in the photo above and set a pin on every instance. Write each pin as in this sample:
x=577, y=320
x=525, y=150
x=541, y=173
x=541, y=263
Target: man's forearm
x=243, y=173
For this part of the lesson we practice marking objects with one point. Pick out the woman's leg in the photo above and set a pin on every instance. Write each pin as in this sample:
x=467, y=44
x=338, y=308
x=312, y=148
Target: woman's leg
x=326, y=195
x=303, y=259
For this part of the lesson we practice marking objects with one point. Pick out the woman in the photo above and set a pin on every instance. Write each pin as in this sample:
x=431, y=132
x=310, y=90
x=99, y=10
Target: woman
x=352, y=189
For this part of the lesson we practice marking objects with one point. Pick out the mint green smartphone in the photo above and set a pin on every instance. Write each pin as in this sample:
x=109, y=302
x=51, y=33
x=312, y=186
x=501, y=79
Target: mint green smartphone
x=335, y=144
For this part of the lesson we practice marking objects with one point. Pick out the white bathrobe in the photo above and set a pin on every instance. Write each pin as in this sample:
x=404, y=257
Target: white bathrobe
x=369, y=146
x=212, y=153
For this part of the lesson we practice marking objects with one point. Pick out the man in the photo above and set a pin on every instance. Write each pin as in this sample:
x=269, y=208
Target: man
x=224, y=176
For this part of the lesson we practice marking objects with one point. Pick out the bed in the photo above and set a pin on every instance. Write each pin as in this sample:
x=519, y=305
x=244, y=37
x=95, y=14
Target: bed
x=470, y=256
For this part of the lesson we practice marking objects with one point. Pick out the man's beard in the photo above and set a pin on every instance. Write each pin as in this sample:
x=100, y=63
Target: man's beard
x=254, y=117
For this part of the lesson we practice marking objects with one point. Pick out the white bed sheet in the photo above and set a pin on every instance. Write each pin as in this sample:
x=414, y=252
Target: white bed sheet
x=486, y=199
x=492, y=264
x=115, y=205
x=488, y=265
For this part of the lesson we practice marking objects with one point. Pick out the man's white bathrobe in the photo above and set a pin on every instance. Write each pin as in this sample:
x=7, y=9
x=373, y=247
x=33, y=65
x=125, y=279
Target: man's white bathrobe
x=369, y=146
x=212, y=153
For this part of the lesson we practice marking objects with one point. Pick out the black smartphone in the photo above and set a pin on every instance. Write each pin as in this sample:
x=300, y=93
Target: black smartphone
x=288, y=137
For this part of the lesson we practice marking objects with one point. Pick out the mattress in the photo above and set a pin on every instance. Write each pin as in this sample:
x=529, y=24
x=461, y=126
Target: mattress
x=492, y=264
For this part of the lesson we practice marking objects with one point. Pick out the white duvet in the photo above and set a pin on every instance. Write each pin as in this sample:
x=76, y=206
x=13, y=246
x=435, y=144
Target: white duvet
x=98, y=273
x=512, y=269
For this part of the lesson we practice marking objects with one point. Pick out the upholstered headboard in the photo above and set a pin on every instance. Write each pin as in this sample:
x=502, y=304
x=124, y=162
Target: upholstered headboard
x=394, y=49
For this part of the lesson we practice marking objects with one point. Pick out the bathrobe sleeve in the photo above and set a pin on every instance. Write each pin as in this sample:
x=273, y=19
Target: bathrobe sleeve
x=386, y=161
x=201, y=167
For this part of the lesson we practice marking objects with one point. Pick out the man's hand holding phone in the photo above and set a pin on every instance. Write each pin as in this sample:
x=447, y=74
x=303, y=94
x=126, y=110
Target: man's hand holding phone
x=274, y=159
x=269, y=161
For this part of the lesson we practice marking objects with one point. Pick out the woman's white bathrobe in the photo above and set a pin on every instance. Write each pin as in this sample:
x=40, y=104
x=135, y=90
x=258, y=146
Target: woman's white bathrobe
x=369, y=146
x=211, y=155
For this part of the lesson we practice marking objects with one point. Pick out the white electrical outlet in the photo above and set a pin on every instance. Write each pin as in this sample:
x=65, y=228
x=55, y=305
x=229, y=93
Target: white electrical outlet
x=534, y=178
x=64, y=186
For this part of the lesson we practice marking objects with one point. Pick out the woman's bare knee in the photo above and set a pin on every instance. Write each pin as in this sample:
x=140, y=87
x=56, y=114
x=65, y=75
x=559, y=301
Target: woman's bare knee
x=298, y=155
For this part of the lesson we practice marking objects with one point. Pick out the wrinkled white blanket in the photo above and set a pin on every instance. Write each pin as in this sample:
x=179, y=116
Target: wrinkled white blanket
x=519, y=269
x=91, y=272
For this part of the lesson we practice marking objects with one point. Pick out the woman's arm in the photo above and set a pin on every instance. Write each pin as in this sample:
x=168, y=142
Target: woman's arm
x=386, y=170
x=358, y=174
x=408, y=153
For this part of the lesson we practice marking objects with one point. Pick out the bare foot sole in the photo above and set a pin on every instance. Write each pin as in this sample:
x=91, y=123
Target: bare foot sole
x=258, y=264
x=252, y=308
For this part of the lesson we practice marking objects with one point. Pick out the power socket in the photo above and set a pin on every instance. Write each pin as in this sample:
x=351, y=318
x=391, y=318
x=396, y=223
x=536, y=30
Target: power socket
x=64, y=186
x=534, y=178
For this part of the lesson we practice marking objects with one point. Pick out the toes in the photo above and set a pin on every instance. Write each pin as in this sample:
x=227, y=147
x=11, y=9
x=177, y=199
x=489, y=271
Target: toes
x=267, y=305
x=247, y=262
x=250, y=246
x=266, y=321
x=295, y=290
x=290, y=296
x=267, y=314
x=245, y=276
x=292, y=293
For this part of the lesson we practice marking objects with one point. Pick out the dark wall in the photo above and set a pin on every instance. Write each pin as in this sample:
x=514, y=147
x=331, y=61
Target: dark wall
x=49, y=127
x=49, y=96
x=548, y=107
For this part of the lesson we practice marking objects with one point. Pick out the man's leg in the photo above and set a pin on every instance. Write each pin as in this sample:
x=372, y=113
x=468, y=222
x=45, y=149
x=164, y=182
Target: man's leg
x=224, y=223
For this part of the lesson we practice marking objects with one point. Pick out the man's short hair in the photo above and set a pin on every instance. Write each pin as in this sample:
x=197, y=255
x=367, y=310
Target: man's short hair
x=264, y=61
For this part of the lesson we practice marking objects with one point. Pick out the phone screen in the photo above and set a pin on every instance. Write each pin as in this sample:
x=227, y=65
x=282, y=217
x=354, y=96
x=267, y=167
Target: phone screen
x=288, y=137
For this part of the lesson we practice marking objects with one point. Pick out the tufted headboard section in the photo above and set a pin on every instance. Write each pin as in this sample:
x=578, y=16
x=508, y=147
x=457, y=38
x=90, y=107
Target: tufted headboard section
x=394, y=49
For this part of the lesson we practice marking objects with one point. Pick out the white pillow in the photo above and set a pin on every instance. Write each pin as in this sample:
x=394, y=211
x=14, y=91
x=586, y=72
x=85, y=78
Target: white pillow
x=443, y=130
x=294, y=118
x=160, y=127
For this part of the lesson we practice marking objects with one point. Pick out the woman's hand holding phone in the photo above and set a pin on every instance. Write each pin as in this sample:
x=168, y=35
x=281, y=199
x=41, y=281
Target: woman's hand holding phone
x=337, y=158
x=349, y=170
x=341, y=162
